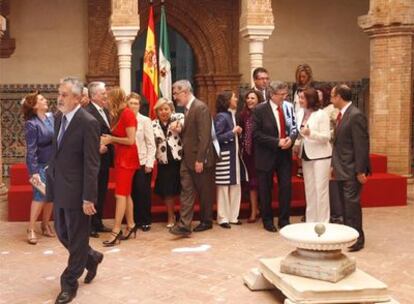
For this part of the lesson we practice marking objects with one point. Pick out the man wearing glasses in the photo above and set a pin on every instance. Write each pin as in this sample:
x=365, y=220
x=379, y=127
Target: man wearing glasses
x=274, y=132
x=198, y=162
x=261, y=82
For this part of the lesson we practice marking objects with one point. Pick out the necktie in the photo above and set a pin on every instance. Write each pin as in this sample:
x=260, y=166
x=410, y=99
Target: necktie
x=282, y=122
x=62, y=129
x=101, y=111
x=338, y=118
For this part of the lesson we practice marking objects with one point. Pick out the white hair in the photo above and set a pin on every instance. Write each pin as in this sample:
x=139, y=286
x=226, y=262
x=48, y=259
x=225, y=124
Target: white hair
x=77, y=85
x=183, y=85
x=94, y=87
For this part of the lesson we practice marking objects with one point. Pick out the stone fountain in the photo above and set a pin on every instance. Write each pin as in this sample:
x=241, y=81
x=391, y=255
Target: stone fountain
x=317, y=271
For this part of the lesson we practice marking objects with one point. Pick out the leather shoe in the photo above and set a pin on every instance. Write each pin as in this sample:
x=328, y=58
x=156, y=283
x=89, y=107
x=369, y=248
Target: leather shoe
x=225, y=225
x=270, y=228
x=94, y=234
x=65, y=297
x=203, y=227
x=236, y=223
x=180, y=231
x=356, y=247
x=145, y=228
x=91, y=274
x=103, y=229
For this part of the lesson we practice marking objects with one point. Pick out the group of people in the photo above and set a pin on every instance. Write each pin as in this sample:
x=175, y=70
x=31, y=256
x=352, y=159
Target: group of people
x=197, y=155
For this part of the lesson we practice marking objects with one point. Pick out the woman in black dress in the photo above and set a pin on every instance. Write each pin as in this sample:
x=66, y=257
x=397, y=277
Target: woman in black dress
x=167, y=127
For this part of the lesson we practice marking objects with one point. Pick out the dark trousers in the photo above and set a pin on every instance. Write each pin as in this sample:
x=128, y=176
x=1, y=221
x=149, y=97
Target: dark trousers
x=350, y=195
x=193, y=183
x=335, y=201
x=103, y=178
x=283, y=169
x=141, y=195
x=72, y=228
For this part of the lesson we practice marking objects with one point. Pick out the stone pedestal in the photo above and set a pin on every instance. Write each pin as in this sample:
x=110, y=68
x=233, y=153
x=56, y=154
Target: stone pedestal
x=359, y=287
x=329, y=266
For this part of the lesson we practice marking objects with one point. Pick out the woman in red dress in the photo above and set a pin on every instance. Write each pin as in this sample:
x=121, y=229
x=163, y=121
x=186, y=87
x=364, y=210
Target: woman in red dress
x=126, y=161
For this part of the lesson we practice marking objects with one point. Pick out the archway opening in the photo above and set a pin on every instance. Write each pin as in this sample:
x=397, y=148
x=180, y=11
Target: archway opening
x=183, y=65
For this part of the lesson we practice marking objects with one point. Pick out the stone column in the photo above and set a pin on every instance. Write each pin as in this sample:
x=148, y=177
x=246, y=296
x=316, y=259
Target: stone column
x=256, y=25
x=390, y=26
x=124, y=26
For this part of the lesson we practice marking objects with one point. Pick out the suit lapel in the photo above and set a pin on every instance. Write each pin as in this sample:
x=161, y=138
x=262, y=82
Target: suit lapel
x=344, y=121
x=189, y=114
x=96, y=114
x=272, y=116
x=70, y=128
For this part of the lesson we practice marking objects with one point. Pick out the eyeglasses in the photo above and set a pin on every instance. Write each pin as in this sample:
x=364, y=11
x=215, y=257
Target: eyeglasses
x=176, y=93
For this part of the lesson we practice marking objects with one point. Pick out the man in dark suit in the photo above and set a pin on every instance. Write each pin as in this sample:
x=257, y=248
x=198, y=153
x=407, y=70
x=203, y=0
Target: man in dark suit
x=350, y=158
x=261, y=82
x=197, y=165
x=96, y=108
x=71, y=185
x=274, y=132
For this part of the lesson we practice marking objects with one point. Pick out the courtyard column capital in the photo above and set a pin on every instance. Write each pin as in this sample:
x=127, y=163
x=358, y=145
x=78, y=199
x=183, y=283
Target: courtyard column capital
x=256, y=25
x=388, y=18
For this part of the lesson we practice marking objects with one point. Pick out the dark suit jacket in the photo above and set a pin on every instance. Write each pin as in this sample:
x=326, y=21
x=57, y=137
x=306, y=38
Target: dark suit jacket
x=266, y=134
x=351, y=146
x=196, y=136
x=106, y=158
x=74, y=166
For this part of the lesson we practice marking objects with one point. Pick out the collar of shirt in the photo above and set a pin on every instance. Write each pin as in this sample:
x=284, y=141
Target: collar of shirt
x=343, y=110
x=70, y=115
x=188, y=106
x=98, y=107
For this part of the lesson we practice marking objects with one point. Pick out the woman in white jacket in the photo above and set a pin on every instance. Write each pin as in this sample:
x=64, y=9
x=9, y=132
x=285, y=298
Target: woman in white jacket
x=315, y=151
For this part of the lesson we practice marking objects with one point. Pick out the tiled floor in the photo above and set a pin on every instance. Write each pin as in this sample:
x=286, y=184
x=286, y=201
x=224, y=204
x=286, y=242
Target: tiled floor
x=149, y=270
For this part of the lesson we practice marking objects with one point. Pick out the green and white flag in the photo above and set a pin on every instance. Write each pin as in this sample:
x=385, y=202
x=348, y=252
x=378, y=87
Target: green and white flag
x=164, y=58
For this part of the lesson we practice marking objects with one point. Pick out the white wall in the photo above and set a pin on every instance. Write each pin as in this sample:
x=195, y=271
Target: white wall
x=51, y=41
x=322, y=33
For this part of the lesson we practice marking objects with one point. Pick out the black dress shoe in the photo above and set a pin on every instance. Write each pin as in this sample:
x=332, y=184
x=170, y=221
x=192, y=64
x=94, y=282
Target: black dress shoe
x=203, y=227
x=103, y=229
x=92, y=269
x=145, y=228
x=356, y=247
x=270, y=228
x=236, y=223
x=94, y=234
x=65, y=297
x=180, y=231
x=225, y=225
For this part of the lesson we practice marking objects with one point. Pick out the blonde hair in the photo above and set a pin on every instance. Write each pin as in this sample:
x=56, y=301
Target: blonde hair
x=133, y=95
x=161, y=102
x=117, y=102
x=304, y=68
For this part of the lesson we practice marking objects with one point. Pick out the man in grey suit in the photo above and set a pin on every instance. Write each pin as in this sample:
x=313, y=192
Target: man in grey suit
x=71, y=185
x=350, y=158
x=197, y=165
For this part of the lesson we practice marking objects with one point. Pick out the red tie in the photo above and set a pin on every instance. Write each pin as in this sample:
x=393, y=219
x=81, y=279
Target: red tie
x=282, y=122
x=338, y=118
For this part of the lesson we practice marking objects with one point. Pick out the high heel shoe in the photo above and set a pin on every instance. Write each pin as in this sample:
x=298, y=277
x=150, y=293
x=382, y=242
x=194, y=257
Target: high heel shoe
x=129, y=232
x=47, y=230
x=115, y=241
x=31, y=237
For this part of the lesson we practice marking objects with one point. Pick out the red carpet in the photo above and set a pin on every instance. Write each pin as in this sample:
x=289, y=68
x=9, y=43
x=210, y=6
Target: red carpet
x=382, y=189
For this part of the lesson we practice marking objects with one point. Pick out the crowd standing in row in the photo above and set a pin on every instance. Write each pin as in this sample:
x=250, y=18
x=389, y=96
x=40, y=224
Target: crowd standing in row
x=196, y=156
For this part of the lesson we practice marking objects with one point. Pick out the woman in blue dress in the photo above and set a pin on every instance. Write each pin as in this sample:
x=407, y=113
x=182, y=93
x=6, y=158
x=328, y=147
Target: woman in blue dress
x=39, y=131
